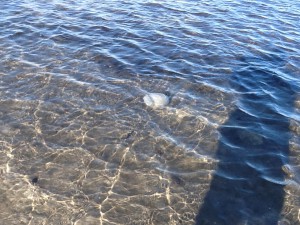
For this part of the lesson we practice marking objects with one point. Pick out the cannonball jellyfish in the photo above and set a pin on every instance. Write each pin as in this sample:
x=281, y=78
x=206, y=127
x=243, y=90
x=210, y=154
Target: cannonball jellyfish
x=156, y=100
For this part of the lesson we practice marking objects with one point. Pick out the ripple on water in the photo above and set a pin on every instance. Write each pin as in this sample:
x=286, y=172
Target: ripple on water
x=78, y=144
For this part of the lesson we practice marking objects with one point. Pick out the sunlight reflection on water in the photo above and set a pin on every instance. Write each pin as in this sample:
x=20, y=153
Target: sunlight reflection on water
x=79, y=146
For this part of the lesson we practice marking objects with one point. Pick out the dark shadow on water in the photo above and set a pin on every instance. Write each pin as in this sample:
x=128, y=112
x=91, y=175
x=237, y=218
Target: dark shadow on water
x=248, y=185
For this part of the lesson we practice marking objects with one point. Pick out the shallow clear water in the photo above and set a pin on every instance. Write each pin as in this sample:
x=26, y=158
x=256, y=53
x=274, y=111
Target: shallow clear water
x=79, y=146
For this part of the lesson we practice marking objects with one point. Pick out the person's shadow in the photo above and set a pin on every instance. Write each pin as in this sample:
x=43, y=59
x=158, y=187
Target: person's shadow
x=248, y=185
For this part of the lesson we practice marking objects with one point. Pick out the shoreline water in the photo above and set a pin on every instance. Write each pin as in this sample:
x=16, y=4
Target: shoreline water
x=79, y=145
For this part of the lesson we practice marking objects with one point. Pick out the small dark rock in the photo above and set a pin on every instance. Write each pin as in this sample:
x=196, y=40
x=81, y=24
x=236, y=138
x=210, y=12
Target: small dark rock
x=129, y=134
x=177, y=180
x=34, y=180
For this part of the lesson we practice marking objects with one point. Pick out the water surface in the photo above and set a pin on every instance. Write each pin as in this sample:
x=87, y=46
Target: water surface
x=79, y=146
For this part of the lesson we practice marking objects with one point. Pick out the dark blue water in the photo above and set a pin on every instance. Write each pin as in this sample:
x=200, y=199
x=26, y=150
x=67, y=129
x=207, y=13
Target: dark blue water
x=79, y=146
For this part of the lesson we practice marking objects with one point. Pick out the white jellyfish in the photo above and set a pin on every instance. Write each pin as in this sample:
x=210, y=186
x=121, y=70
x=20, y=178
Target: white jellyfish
x=156, y=100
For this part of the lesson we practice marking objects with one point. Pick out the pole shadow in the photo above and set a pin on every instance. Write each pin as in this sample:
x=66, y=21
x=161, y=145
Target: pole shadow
x=248, y=185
